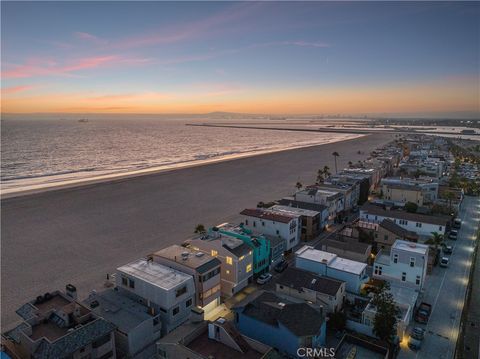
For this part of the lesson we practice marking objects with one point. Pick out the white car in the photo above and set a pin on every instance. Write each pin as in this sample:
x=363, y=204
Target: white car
x=444, y=262
x=264, y=278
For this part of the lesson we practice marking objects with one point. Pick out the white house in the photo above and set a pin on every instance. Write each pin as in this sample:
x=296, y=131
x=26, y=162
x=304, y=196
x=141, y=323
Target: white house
x=353, y=273
x=162, y=289
x=333, y=199
x=274, y=223
x=406, y=263
x=422, y=224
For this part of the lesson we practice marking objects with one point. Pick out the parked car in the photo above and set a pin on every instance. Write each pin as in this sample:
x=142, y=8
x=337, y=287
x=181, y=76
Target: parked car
x=264, y=278
x=423, y=312
x=453, y=234
x=444, y=262
x=281, y=266
x=447, y=249
x=457, y=223
x=414, y=344
x=418, y=333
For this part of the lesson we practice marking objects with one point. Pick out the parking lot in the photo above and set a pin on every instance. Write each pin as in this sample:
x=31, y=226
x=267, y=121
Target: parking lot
x=445, y=290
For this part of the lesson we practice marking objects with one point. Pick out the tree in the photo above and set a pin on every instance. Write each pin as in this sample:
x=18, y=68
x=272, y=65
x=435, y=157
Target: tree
x=299, y=185
x=200, y=229
x=436, y=240
x=385, y=321
x=320, y=177
x=411, y=207
x=326, y=171
x=450, y=196
x=335, y=155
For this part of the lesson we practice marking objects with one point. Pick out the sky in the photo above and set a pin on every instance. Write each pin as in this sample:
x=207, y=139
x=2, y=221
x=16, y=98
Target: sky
x=250, y=57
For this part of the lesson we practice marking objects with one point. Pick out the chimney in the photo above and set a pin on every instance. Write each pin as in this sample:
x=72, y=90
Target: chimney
x=71, y=291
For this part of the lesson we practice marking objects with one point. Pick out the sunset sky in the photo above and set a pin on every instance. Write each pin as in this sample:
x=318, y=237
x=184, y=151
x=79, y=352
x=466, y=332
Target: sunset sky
x=198, y=57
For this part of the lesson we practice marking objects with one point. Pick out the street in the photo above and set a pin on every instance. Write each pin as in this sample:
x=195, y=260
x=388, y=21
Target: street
x=445, y=289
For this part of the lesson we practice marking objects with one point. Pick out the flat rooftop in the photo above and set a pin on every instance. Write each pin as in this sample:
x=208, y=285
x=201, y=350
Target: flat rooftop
x=330, y=259
x=186, y=256
x=118, y=309
x=410, y=247
x=307, y=252
x=154, y=273
x=295, y=210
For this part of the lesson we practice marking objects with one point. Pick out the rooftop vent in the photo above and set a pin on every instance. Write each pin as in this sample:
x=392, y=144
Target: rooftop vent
x=199, y=254
x=280, y=304
x=185, y=255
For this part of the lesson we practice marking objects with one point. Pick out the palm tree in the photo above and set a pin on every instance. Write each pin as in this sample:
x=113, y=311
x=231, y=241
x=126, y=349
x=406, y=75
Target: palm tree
x=200, y=229
x=450, y=197
x=326, y=171
x=350, y=163
x=320, y=177
x=335, y=155
x=299, y=186
x=436, y=240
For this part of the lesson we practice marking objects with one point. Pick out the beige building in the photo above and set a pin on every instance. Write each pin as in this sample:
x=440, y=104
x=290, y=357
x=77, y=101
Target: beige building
x=388, y=232
x=399, y=191
x=236, y=259
x=347, y=247
x=319, y=290
x=204, y=268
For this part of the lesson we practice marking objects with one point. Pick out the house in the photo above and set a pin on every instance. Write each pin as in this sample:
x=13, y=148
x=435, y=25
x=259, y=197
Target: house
x=311, y=220
x=259, y=245
x=403, y=190
x=320, y=208
x=204, y=269
x=406, y=264
x=361, y=183
x=235, y=255
x=56, y=325
x=281, y=324
x=353, y=273
x=163, y=290
x=274, y=223
x=301, y=284
x=136, y=329
x=387, y=232
x=347, y=247
x=220, y=339
x=350, y=192
x=332, y=199
x=422, y=224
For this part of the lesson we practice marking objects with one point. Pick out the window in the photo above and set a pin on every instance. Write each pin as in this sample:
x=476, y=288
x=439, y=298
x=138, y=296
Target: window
x=417, y=281
x=131, y=283
x=107, y=355
x=395, y=258
x=292, y=240
x=412, y=262
x=277, y=231
x=281, y=286
x=163, y=310
x=246, y=222
x=404, y=277
x=181, y=291
x=440, y=228
x=263, y=223
x=176, y=310
x=241, y=258
x=418, y=225
x=249, y=267
x=188, y=303
x=227, y=271
x=214, y=253
x=156, y=321
x=254, y=223
x=366, y=216
x=229, y=260
x=385, y=237
x=124, y=281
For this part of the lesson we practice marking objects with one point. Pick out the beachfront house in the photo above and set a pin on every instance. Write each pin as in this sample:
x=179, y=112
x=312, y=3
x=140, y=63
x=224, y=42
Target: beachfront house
x=310, y=287
x=311, y=220
x=334, y=200
x=164, y=290
x=288, y=226
x=405, y=263
x=236, y=259
x=320, y=208
x=204, y=269
x=353, y=273
x=136, y=329
x=259, y=245
x=281, y=324
x=350, y=192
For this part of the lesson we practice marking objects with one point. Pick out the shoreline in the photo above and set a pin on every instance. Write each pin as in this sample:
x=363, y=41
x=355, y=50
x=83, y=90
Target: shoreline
x=77, y=235
x=120, y=176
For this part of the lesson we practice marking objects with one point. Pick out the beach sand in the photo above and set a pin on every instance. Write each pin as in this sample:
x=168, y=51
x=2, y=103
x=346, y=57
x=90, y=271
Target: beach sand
x=77, y=235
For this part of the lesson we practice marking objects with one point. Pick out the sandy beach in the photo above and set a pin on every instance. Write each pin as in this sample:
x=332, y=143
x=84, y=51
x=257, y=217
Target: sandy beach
x=77, y=235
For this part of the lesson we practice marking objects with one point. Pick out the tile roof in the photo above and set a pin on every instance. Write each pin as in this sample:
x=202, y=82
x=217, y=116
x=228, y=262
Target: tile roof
x=299, y=318
x=268, y=215
x=299, y=278
x=396, y=229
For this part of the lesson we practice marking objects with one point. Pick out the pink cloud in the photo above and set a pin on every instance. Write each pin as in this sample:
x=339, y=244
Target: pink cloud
x=35, y=67
x=85, y=36
x=16, y=89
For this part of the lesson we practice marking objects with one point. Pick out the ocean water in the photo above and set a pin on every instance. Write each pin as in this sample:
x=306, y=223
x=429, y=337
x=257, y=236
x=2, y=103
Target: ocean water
x=48, y=151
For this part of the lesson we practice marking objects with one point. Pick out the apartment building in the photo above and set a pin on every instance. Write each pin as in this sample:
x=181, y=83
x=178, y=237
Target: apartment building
x=401, y=191
x=204, y=269
x=311, y=220
x=332, y=199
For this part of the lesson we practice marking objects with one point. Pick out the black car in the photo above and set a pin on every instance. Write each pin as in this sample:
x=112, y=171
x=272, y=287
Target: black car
x=281, y=266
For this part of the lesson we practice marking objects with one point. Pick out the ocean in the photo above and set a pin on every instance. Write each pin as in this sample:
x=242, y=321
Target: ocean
x=47, y=151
